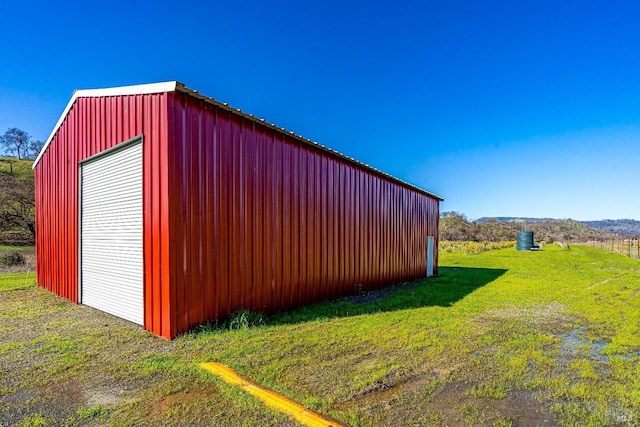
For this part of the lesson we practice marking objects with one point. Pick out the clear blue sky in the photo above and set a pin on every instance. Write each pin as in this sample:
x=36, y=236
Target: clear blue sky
x=503, y=108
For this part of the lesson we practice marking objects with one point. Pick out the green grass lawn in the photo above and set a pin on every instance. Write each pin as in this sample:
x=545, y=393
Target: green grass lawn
x=15, y=281
x=499, y=338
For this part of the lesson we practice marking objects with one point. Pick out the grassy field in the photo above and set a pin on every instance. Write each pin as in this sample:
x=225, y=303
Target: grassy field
x=18, y=168
x=499, y=338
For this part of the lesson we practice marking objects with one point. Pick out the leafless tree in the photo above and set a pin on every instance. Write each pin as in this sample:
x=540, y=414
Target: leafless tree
x=16, y=142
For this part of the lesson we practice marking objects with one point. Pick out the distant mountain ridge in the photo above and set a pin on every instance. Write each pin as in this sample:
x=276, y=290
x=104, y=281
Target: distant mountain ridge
x=485, y=219
x=626, y=227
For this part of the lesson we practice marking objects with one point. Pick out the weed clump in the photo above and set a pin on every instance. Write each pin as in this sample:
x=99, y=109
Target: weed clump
x=11, y=258
x=245, y=319
x=239, y=320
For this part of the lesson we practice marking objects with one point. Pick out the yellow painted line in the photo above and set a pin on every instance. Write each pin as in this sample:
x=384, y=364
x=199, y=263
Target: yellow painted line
x=270, y=398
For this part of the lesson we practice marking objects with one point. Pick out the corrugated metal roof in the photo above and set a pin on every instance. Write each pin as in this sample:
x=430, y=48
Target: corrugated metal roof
x=174, y=85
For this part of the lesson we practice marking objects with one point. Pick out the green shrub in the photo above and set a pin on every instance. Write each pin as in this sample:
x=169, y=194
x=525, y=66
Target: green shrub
x=11, y=258
x=245, y=319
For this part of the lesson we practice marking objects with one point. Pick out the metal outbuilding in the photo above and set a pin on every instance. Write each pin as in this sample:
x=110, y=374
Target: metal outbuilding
x=170, y=209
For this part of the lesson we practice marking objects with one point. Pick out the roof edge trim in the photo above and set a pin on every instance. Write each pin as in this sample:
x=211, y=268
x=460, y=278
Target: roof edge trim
x=142, y=89
x=182, y=88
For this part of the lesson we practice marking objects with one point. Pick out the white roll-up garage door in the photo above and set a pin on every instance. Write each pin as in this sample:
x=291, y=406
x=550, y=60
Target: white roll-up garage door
x=111, y=276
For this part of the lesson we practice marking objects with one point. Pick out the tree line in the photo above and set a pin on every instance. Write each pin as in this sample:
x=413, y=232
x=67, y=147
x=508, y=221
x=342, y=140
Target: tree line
x=456, y=227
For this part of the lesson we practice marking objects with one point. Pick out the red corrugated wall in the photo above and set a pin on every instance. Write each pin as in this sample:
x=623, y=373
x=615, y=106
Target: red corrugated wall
x=262, y=221
x=91, y=126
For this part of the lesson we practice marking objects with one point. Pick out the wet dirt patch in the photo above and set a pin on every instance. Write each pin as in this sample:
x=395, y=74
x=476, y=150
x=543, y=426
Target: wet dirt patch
x=575, y=344
x=157, y=408
x=447, y=404
x=383, y=391
x=524, y=409
x=521, y=408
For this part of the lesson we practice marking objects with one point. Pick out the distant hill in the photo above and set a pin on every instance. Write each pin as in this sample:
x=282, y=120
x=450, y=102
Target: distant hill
x=485, y=219
x=627, y=227
x=456, y=227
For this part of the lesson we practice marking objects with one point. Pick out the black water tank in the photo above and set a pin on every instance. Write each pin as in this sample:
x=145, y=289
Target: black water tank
x=524, y=241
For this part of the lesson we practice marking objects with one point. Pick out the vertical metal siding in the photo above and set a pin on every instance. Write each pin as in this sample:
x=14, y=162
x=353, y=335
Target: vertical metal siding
x=91, y=126
x=262, y=221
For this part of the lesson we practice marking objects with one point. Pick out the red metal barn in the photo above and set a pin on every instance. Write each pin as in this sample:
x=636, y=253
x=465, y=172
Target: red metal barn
x=170, y=209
